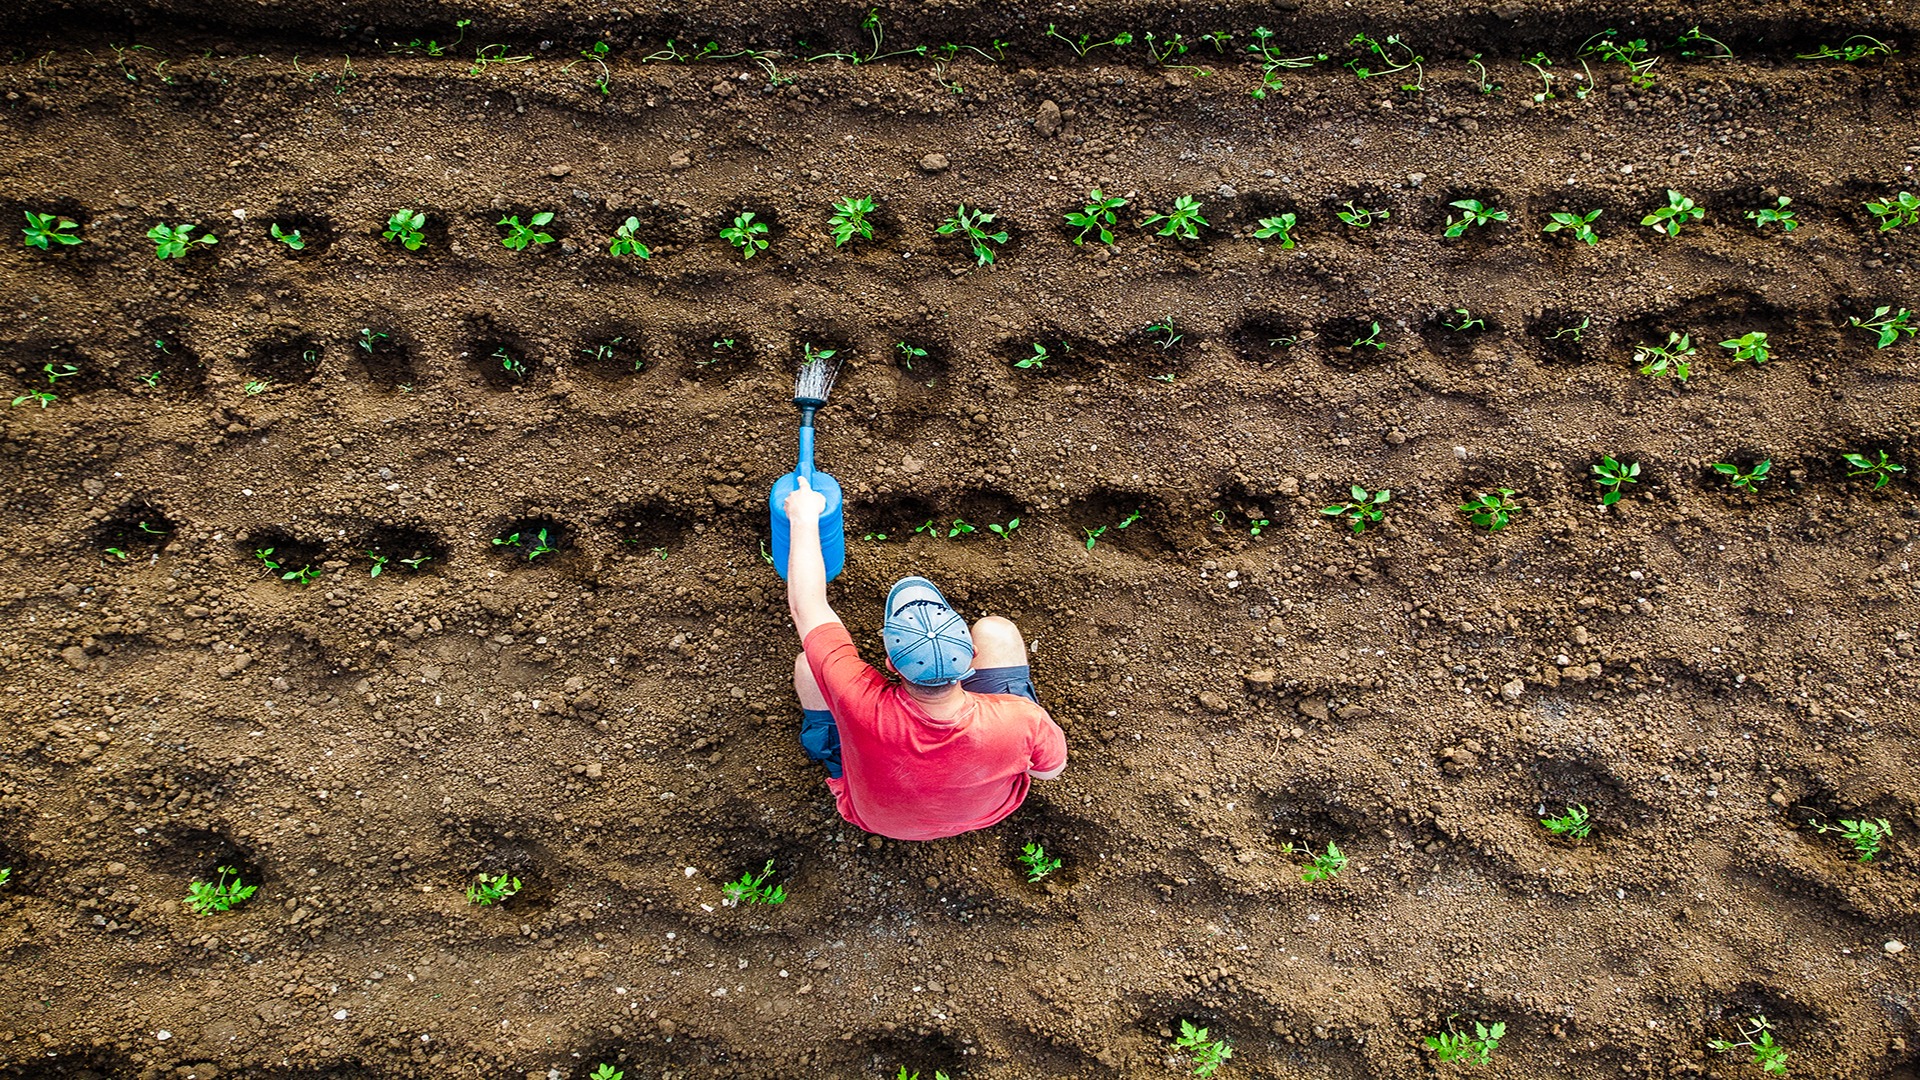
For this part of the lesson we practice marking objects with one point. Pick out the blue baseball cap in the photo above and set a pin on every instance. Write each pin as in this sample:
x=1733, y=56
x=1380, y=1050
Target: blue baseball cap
x=926, y=639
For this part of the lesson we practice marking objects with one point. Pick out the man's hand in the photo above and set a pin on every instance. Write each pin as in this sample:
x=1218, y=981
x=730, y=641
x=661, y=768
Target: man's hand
x=804, y=502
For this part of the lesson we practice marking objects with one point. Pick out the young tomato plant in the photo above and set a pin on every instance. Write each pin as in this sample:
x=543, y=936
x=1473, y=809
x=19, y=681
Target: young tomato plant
x=1777, y=214
x=1277, y=228
x=174, y=241
x=1750, y=348
x=1096, y=216
x=1476, y=215
x=1491, y=511
x=748, y=235
x=626, y=241
x=1882, y=470
x=1208, y=1054
x=1183, y=220
x=222, y=895
x=1865, y=836
x=1575, y=823
x=1273, y=61
x=1756, y=1037
x=521, y=237
x=1611, y=474
x=1322, y=867
x=1886, y=323
x=1674, y=359
x=1475, y=1049
x=753, y=889
x=1897, y=212
x=289, y=237
x=1678, y=211
x=1580, y=225
x=849, y=220
x=1360, y=217
x=971, y=225
x=1364, y=508
x=1744, y=479
x=488, y=891
x=406, y=228
x=1034, y=860
x=44, y=229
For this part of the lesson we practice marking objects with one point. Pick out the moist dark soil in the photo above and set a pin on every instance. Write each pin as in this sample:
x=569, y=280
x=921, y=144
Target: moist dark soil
x=1718, y=677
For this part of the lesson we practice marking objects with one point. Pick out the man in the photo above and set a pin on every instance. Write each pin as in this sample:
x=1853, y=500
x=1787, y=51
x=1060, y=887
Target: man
x=954, y=745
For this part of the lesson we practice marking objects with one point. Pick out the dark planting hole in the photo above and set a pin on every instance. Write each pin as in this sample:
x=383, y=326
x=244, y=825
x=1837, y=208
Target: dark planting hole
x=1453, y=331
x=163, y=361
x=662, y=228
x=981, y=508
x=72, y=1065
x=316, y=234
x=648, y=530
x=137, y=527
x=1745, y=457
x=201, y=855
x=405, y=549
x=1160, y=348
x=1060, y=834
x=502, y=853
x=1565, y=784
x=890, y=1052
x=1048, y=354
x=1239, y=510
x=892, y=518
x=56, y=368
x=1359, y=342
x=1266, y=338
x=918, y=356
x=275, y=554
x=384, y=358
x=1130, y=521
x=284, y=360
x=1567, y=337
x=503, y=363
x=25, y=872
x=532, y=541
x=716, y=354
x=612, y=354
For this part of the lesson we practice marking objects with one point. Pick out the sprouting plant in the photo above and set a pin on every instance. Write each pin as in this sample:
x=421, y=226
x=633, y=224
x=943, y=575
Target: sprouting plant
x=1572, y=333
x=1897, y=212
x=1467, y=321
x=151, y=529
x=1634, y=55
x=1277, y=228
x=539, y=547
x=174, y=241
x=1851, y=51
x=1272, y=63
x=1363, y=508
x=1093, y=535
x=515, y=368
x=1475, y=1049
x=1611, y=474
x=1575, y=823
x=1744, y=479
x=43, y=229
x=1393, y=56
x=850, y=219
x=118, y=553
x=626, y=241
x=379, y=563
x=1033, y=858
x=1164, y=335
x=1491, y=511
x=255, y=387
x=909, y=353
x=1671, y=359
x=406, y=228
x=1540, y=63
x=520, y=237
x=1482, y=80
x=1183, y=220
x=1086, y=44
x=222, y=895
x=265, y=555
x=6, y=874
x=1750, y=347
x=903, y=1074
x=972, y=225
x=1130, y=519
x=1004, y=532
x=306, y=575
x=1678, y=211
x=1097, y=215
x=1371, y=338
x=43, y=398
x=1208, y=1054
x=368, y=339
x=1756, y=1036
x=488, y=891
x=1324, y=866
x=1581, y=225
x=416, y=562
x=1777, y=214
x=1037, y=361
x=1689, y=42
x=1255, y=526
x=1476, y=213
x=291, y=238
x=1865, y=836
x=606, y=1072
x=434, y=48
x=958, y=529
x=1888, y=326
x=151, y=379
x=1359, y=217
x=604, y=351
x=1882, y=470
x=752, y=889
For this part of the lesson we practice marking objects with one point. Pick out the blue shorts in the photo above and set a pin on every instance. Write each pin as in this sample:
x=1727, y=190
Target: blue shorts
x=820, y=738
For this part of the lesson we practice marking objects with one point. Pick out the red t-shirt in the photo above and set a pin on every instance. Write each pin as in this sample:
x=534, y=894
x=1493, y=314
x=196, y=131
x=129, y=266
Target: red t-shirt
x=908, y=776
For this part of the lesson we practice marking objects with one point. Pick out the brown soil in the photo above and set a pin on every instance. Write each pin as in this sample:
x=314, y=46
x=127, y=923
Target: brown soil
x=1710, y=673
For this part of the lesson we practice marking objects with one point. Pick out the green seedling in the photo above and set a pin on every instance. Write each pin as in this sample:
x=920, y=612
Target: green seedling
x=1580, y=225
x=1756, y=1037
x=486, y=891
x=1272, y=63
x=604, y=352
x=606, y=1072
x=56, y=372
x=626, y=241
x=1163, y=334
x=1575, y=823
x=1359, y=217
x=1572, y=333
x=44, y=229
x=1130, y=519
x=434, y=48
x=222, y=895
x=515, y=368
x=1670, y=360
x=1208, y=1054
x=765, y=555
x=751, y=889
x=368, y=339
x=520, y=237
x=972, y=226
x=1610, y=475
x=1393, y=57
x=1033, y=858
x=1491, y=511
x=874, y=537
x=850, y=220
x=1777, y=214
x=1888, y=326
x=1540, y=63
x=1255, y=526
x=416, y=562
x=379, y=563
x=291, y=238
x=1483, y=80
x=1897, y=212
x=909, y=353
x=406, y=228
x=1689, y=44
x=1093, y=535
x=1634, y=55
x=1882, y=470
x=174, y=241
x=265, y=555
x=1466, y=322
x=6, y=875
x=1277, y=228
x=43, y=398
x=1851, y=51
x=1678, y=211
x=597, y=52
x=959, y=529
x=1370, y=339
x=1183, y=220
x=151, y=529
x=1324, y=867
x=903, y=1074
x=1744, y=479
x=1865, y=836
x=1750, y=347
x=927, y=527
x=1098, y=215
x=540, y=546
x=1364, y=508
x=255, y=387
x=1475, y=1049
x=1477, y=214
x=1038, y=361
x=1004, y=532
x=118, y=553
x=306, y=575
x=1086, y=44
